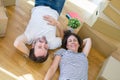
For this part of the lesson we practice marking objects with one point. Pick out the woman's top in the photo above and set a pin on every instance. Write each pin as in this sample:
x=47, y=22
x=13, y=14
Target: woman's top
x=73, y=66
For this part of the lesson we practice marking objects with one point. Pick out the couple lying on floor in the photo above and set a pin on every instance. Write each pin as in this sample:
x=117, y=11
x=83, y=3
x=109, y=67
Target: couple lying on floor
x=41, y=33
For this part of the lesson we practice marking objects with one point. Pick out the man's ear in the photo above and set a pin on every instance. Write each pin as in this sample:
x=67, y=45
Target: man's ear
x=33, y=44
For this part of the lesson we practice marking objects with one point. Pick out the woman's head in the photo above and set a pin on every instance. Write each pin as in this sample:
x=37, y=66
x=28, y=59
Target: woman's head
x=71, y=41
x=39, y=51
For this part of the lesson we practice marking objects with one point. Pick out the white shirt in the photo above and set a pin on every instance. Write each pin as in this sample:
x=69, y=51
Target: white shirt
x=38, y=27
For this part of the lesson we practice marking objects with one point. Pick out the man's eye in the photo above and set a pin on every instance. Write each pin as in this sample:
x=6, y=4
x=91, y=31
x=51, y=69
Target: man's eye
x=40, y=41
x=39, y=46
x=46, y=48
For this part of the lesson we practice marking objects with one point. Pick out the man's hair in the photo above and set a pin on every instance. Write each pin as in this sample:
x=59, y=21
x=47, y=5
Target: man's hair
x=39, y=59
x=67, y=34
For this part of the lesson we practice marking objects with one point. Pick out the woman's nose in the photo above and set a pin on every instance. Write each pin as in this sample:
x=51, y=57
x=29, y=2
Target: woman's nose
x=72, y=41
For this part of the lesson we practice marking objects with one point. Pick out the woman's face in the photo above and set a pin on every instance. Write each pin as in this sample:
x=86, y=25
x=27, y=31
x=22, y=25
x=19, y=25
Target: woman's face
x=72, y=43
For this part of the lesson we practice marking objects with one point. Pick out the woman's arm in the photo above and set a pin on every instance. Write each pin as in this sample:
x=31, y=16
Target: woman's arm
x=54, y=22
x=87, y=46
x=51, y=71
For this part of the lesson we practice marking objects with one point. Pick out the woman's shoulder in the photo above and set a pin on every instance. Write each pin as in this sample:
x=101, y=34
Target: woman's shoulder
x=60, y=51
x=82, y=53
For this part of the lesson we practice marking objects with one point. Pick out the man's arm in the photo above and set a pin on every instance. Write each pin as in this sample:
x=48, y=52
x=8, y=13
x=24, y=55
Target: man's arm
x=54, y=22
x=20, y=44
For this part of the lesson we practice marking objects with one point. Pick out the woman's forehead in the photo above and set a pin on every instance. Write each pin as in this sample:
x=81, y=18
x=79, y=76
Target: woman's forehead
x=72, y=36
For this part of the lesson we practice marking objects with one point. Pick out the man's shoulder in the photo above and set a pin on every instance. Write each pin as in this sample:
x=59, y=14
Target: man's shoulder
x=55, y=43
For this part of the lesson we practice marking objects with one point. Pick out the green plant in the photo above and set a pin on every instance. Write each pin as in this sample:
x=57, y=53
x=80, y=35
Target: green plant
x=74, y=23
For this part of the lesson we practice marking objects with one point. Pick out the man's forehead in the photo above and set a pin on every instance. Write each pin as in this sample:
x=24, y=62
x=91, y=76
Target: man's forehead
x=40, y=52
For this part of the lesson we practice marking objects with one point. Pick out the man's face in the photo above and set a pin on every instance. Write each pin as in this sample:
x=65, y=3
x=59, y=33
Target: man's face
x=41, y=47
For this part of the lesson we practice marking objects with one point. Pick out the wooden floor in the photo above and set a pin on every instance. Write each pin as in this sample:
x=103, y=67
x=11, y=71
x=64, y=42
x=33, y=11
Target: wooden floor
x=14, y=66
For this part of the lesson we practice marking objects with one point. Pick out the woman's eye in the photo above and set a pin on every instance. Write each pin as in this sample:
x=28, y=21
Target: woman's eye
x=74, y=40
x=69, y=40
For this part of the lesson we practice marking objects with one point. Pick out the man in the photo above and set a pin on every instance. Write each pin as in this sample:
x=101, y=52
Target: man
x=41, y=30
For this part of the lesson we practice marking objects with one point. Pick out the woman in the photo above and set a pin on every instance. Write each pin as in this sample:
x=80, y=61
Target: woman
x=72, y=58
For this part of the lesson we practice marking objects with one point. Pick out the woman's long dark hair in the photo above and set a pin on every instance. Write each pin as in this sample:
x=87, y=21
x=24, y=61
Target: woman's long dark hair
x=67, y=34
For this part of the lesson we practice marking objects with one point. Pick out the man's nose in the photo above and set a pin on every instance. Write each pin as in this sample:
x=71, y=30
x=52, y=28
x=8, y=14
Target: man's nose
x=43, y=43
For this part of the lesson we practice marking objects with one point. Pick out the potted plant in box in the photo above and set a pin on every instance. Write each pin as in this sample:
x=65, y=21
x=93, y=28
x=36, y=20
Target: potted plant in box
x=74, y=23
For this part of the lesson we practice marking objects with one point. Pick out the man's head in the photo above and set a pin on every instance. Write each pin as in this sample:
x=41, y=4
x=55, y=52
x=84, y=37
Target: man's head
x=39, y=51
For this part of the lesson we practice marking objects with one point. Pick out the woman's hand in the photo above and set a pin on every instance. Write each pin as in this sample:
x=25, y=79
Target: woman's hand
x=53, y=68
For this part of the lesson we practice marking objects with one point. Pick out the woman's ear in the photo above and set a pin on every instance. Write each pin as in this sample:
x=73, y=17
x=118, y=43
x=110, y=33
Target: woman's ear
x=79, y=45
x=66, y=46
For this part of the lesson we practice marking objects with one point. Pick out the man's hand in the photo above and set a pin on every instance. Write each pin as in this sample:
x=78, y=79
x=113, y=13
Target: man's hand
x=54, y=22
x=51, y=20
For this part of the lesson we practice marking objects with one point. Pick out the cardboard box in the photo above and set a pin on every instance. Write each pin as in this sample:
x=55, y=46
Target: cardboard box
x=1, y=3
x=3, y=21
x=9, y=2
x=110, y=70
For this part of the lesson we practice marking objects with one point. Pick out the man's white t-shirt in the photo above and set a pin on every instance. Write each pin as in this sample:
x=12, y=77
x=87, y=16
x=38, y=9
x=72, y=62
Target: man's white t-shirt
x=38, y=27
